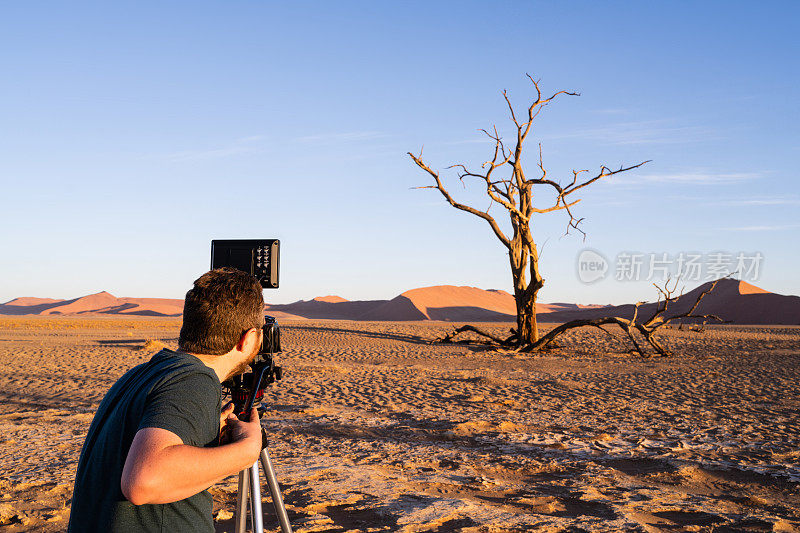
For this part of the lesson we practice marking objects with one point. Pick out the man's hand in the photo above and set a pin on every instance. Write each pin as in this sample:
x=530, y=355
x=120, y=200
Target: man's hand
x=224, y=436
x=244, y=431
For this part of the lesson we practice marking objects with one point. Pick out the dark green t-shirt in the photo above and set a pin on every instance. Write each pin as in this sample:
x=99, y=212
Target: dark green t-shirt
x=174, y=391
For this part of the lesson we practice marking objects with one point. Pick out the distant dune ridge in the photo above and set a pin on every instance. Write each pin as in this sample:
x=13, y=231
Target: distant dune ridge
x=735, y=301
x=441, y=302
x=101, y=303
x=330, y=299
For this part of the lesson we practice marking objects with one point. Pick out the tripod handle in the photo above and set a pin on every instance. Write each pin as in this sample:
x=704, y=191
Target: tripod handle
x=244, y=414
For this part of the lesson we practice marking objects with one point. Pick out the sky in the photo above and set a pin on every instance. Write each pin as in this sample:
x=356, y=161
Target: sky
x=134, y=133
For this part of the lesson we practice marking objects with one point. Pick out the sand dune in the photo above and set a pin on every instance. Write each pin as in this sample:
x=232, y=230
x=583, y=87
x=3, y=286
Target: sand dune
x=153, y=306
x=398, y=308
x=447, y=302
x=27, y=306
x=344, y=310
x=86, y=304
x=101, y=303
x=330, y=299
x=735, y=301
x=442, y=302
x=24, y=302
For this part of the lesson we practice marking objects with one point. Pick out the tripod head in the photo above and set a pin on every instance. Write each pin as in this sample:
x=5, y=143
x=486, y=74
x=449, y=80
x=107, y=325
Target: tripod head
x=247, y=390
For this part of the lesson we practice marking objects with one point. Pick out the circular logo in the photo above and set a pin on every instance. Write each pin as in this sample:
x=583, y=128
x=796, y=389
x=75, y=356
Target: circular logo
x=591, y=266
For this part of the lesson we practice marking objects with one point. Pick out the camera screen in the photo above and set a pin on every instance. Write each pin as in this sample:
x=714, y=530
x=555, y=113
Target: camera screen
x=240, y=258
x=259, y=257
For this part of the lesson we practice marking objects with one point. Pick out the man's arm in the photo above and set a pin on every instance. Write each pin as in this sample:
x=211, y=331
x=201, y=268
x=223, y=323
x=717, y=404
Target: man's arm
x=161, y=469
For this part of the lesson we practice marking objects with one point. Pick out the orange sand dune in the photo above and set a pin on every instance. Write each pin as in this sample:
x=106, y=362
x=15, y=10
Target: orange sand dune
x=442, y=302
x=150, y=306
x=734, y=301
x=316, y=308
x=27, y=306
x=447, y=302
x=280, y=315
x=93, y=302
x=101, y=303
x=32, y=301
x=330, y=299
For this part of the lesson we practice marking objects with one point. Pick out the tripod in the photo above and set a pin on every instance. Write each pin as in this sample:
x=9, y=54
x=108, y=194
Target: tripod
x=250, y=489
x=264, y=372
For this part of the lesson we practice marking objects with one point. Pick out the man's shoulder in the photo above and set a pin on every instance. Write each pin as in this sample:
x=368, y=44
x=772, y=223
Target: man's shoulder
x=184, y=399
x=170, y=374
x=176, y=363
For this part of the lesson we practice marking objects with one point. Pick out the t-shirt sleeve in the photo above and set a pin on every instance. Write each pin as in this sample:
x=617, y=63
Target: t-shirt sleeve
x=187, y=405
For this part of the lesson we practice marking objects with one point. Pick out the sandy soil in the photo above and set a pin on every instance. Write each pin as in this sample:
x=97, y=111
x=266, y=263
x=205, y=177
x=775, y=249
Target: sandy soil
x=372, y=429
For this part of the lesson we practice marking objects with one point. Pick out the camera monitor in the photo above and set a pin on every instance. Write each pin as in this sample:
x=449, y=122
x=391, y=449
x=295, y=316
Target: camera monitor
x=259, y=257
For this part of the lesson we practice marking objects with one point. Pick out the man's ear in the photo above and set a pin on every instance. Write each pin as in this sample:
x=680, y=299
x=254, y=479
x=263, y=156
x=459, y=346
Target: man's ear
x=249, y=337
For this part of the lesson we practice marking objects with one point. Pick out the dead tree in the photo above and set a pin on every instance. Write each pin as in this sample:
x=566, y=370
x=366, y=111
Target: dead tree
x=646, y=327
x=514, y=193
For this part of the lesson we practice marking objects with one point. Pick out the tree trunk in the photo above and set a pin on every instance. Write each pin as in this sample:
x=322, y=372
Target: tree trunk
x=527, y=327
x=522, y=256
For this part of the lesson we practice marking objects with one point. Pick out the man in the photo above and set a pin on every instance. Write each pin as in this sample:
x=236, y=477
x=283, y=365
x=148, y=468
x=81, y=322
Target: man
x=153, y=447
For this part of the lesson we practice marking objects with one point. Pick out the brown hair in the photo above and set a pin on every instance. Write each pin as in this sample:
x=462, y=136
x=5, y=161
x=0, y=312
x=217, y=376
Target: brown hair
x=223, y=304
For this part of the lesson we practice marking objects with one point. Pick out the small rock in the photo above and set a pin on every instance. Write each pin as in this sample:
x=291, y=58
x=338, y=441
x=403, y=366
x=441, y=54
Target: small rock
x=8, y=515
x=223, y=515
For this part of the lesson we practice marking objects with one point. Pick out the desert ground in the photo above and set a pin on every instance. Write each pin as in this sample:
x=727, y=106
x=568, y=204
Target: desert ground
x=373, y=429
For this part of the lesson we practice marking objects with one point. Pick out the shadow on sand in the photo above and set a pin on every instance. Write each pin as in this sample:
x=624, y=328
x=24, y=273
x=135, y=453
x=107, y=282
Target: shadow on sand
x=413, y=339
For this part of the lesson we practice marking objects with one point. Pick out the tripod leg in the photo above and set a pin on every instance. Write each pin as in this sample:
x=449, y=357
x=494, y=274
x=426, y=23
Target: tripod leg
x=240, y=517
x=256, y=514
x=275, y=491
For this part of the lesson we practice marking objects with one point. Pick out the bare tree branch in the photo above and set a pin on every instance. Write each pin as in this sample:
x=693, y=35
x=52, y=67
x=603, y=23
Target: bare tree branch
x=451, y=336
x=486, y=216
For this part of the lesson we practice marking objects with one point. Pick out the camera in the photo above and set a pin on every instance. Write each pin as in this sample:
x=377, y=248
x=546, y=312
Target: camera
x=261, y=258
x=247, y=390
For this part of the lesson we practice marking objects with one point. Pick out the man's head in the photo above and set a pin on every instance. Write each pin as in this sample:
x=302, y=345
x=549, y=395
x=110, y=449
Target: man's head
x=221, y=307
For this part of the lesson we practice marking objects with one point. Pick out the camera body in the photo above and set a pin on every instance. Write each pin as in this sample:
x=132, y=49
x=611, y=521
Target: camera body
x=247, y=390
x=272, y=336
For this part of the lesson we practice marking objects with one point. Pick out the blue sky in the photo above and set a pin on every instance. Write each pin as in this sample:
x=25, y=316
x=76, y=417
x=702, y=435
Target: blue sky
x=134, y=133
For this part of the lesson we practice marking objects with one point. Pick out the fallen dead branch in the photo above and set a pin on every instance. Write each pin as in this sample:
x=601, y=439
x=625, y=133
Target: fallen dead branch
x=645, y=329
